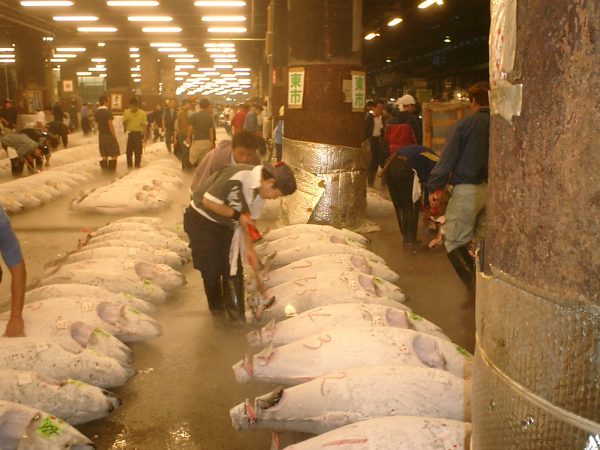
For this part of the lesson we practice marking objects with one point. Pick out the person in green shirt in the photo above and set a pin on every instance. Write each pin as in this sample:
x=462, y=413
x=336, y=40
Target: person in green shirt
x=135, y=122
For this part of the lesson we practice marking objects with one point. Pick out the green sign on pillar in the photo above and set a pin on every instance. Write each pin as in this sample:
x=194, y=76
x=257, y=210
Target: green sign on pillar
x=295, y=87
x=359, y=91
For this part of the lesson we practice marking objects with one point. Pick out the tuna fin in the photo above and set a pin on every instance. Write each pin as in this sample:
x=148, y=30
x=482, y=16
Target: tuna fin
x=338, y=240
x=361, y=264
x=397, y=318
x=368, y=284
x=264, y=356
x=269, y=400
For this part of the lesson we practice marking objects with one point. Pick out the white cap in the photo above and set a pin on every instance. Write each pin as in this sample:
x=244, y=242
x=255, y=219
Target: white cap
x=405, y=100
x=282, y=110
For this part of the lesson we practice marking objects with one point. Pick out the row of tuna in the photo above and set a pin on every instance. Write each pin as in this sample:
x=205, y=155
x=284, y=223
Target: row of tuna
x=359, y=369
x=87, y=306
x=149, y=189
x=71, y=169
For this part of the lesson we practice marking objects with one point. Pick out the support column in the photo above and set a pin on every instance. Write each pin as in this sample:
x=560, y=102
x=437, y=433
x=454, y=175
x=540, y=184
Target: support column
x=150, y=78
x=278, y=57
x=167, y=77
x=34, y=72
x=537, y=361
x=118, y=80
x=68, y=74
x=324, y=137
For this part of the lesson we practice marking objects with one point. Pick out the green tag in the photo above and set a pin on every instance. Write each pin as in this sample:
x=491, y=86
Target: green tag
x=415, y=317
x=378, y=280
x=75, y=382
x=462, y=351
x=135, y=311
x=50, y=427
x=148, y=285
x=101, y=332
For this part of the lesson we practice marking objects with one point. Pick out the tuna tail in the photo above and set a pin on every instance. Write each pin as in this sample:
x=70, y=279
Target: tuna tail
x=243, y=370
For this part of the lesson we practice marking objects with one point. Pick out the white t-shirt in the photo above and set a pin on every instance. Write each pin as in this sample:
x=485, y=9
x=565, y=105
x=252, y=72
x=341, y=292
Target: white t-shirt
x=377, y=126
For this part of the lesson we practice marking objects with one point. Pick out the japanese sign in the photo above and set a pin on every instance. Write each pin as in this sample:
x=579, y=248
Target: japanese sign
x=359, y=91
x=295, y=87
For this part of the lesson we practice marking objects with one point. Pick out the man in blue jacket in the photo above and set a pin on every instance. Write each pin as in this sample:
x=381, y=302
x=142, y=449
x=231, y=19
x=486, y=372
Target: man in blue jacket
x=464, y=165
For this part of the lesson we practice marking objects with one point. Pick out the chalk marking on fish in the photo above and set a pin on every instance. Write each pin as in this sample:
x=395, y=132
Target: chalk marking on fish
x=302, y=281
x=308, y=264
x=307, y=291
x=322, y=341
x=346, y=441
x=312, y=315
x=334, y=376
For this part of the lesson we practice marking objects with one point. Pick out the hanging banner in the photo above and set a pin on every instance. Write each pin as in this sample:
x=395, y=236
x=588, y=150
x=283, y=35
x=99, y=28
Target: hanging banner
x=295, y=87
x=359, y=91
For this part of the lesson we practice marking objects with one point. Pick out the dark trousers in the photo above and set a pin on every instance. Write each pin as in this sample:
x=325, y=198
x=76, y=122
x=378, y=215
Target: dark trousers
x=16, y=167
x=210, y=243
x=135, y=145
x=86, y=125
x=279, y=152
x=375, y=159
x=400, y=178
x=169, y=132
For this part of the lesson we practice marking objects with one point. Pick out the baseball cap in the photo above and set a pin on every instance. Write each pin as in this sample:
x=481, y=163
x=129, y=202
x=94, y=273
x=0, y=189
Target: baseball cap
x=285, y=180
x=405, y=100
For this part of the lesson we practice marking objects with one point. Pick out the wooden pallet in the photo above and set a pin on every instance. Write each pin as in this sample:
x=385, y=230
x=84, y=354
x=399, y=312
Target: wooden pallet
x=438, y=120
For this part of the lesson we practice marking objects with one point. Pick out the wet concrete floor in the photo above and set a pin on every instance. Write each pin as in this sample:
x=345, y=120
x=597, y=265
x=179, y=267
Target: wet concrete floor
x=181, y=396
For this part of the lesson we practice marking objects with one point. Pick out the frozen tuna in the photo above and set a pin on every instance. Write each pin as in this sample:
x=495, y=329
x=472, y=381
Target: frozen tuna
x=61, y=316
x=114, y=275
x=59, y=360
x=26, y=428
x=156, y=222
x=288, y=242
x=86, y=290
x=393, y=433
x=73, y=401
x=314, y=229
x=152, y=238
x=320, y=289
x=345, y=348
x=167, y=257
x=353, y=395
x=328, y=263
x=341, y=315
x=303, y=251
x=145, y=226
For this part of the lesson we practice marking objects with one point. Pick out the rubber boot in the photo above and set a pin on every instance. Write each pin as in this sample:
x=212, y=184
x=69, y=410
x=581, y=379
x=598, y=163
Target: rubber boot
x=112, y=165
x=400, y=216
x=464, y=265
x=233, y=297
x=411, y=215
x=104, y=165
x=214, y=297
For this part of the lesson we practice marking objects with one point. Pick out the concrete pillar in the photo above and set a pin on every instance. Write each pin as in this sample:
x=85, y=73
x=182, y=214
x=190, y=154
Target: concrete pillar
x=118, y=80
x=167, y=77
x=278, y=45
x=150, y=78
x=325, y=136
x=34, y=71
x=68, y=74
x=538, y=306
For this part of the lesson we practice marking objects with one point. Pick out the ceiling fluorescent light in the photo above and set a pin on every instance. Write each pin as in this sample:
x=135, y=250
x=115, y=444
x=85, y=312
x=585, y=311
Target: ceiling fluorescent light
x=227, y=29
x=65, y=55
x=7, y=49
x=70, y=49
x=84, y=74
x=101, y=44
x=225, y=60
x=161, y=30
x=75, y=18
x=371, y=35
x=134, y=3
x=98, y=60
x=57, y=60
x=47, y=3
x=395, y=21
x=428, y=3
x=97, y=29
x=150, y=19
x=223, y=18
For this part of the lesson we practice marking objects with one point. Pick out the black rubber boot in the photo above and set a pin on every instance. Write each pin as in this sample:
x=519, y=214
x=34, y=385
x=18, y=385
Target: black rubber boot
x=104, y=165
x=233, y=297
x=464, y=265
x=112, y=165
x=214, y=297
x=400, y=216
x=412, y=226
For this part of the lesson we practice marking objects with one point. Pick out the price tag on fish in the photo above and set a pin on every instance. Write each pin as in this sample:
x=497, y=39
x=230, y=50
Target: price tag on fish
x=87, y=306
x=24, y=379
x=61, y=324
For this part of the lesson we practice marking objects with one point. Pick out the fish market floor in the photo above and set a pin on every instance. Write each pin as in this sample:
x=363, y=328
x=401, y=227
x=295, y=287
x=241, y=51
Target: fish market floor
x=181, y=397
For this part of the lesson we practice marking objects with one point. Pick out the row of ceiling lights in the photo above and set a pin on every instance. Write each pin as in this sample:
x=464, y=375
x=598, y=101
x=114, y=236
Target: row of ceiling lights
x=397, y=20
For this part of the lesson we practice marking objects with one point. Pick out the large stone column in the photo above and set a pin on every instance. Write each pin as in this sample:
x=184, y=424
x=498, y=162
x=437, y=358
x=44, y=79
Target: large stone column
x=277, y=43
x=537, y=368
x=167, y=77
x=68, y=74
x=324, y=136
x=118, y=80
x=34, y=71
x=150, y=78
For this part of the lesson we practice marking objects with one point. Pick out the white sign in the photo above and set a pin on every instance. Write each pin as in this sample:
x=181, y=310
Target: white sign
x=359, y=91
x=295, y=88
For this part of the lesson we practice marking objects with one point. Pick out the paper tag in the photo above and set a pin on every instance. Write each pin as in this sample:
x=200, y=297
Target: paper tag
x=163, y=268
x=61, y=324
x=132, y=252
x=24, y=379
x=87, y=306
x=41, y=347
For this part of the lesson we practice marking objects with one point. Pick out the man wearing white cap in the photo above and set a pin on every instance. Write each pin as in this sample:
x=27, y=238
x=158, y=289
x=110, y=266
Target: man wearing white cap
x=406, y=114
